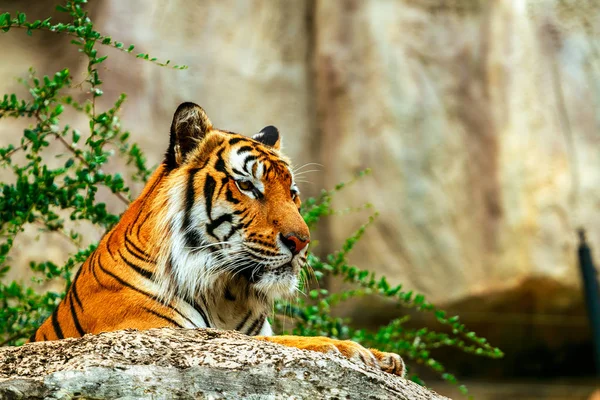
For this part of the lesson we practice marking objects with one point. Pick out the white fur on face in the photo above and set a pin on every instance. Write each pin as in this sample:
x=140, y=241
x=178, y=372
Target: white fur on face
x=203, y=271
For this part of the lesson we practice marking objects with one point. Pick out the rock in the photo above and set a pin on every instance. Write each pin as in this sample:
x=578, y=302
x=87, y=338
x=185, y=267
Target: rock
x=178, y=363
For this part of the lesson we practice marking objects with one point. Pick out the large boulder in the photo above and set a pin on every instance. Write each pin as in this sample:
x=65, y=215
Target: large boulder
x=185, y=364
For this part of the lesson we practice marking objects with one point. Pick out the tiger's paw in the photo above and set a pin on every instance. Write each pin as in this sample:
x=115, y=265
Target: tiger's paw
x=388, y=362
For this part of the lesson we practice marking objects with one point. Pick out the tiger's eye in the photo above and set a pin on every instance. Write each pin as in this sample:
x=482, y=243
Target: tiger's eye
x=245, y=185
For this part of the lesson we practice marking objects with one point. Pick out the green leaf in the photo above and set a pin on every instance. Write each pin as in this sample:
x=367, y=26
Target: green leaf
x=99, y=60
x=4, y=19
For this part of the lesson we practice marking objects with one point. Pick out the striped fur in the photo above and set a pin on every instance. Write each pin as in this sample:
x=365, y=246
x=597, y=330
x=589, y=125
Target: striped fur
x=212, y=240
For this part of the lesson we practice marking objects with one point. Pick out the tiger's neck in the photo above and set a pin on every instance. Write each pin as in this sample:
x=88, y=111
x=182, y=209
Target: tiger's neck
x=150, y=244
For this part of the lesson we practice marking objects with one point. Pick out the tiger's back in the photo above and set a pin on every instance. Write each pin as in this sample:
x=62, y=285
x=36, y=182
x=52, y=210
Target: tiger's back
x=109, y=291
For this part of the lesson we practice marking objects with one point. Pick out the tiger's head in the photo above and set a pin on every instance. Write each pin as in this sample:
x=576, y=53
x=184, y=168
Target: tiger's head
x=231, y=211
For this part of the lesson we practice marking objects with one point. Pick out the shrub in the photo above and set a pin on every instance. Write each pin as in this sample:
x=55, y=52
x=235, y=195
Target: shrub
x=59, y=200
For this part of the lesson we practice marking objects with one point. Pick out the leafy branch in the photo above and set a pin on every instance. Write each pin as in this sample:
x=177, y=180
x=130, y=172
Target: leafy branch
x=81, y=29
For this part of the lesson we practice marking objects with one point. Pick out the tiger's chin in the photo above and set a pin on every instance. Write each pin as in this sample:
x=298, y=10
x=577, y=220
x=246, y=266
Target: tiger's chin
x=278, y=283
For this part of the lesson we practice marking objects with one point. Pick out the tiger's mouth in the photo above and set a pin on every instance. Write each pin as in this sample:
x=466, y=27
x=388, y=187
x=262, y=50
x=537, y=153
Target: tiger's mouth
x=274, y=282
x=255, y=274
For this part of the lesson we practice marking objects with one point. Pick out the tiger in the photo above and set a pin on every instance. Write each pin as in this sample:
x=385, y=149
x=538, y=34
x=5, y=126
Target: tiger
x=214, y=238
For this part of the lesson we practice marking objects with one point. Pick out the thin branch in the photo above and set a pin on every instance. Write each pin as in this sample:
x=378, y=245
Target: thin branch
x=100, y=39
x=18, y=335
x=84, y=161
x=13, y=151
x=59, y=231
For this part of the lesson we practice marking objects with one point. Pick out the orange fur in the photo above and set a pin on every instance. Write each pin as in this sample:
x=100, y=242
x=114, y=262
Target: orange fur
x=213, y=238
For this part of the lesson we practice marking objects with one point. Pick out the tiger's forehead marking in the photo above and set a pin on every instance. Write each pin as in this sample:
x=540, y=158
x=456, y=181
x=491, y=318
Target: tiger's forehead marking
x=253, y=160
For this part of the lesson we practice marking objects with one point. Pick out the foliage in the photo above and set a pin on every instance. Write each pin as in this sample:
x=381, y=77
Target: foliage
x=312, y=314
x=62, y=199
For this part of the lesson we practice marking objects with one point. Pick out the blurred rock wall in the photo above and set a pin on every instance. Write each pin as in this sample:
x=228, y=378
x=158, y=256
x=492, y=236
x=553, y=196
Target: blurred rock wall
x=480, y=119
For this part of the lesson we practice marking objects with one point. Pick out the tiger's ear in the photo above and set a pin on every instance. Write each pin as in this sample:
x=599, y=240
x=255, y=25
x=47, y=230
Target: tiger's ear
x=190, y=125
x=269, y=136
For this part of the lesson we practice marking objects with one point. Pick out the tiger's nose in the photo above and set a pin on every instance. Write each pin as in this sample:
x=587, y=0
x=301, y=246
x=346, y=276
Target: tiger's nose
x=294, y=243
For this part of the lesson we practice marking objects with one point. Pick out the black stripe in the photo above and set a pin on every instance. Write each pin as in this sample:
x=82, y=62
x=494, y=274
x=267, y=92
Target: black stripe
x=260, y=242
x=247, y=160
x=230, y=198
x=209, y=191
x=146, y=198
x=190, y=198
x=96, y=276
x=141, y=254
x=93, y=264
x=139, y=226
x=220, y=165
x=237, y=172
x=268, y=167
x=234, y=141
x=159, y=315
x=222, y=186
x=245, y=149
x=56, y=325
x=192, y=238
x=142, y=271
x=254, y=325
x=130, y=250
x=154, y=185
x=112, y=232
x=210, y=228
x=259, y=326
x=75, y=319
x=130, y=286
x=262, y=251
x=74, y=291
x=123, y=282
x=243, y=322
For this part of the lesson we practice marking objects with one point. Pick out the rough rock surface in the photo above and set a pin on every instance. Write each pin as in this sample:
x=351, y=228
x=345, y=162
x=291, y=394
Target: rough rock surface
x=178, y=363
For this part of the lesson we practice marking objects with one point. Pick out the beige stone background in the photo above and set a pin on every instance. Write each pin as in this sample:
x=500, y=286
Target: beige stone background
x=479, y=118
